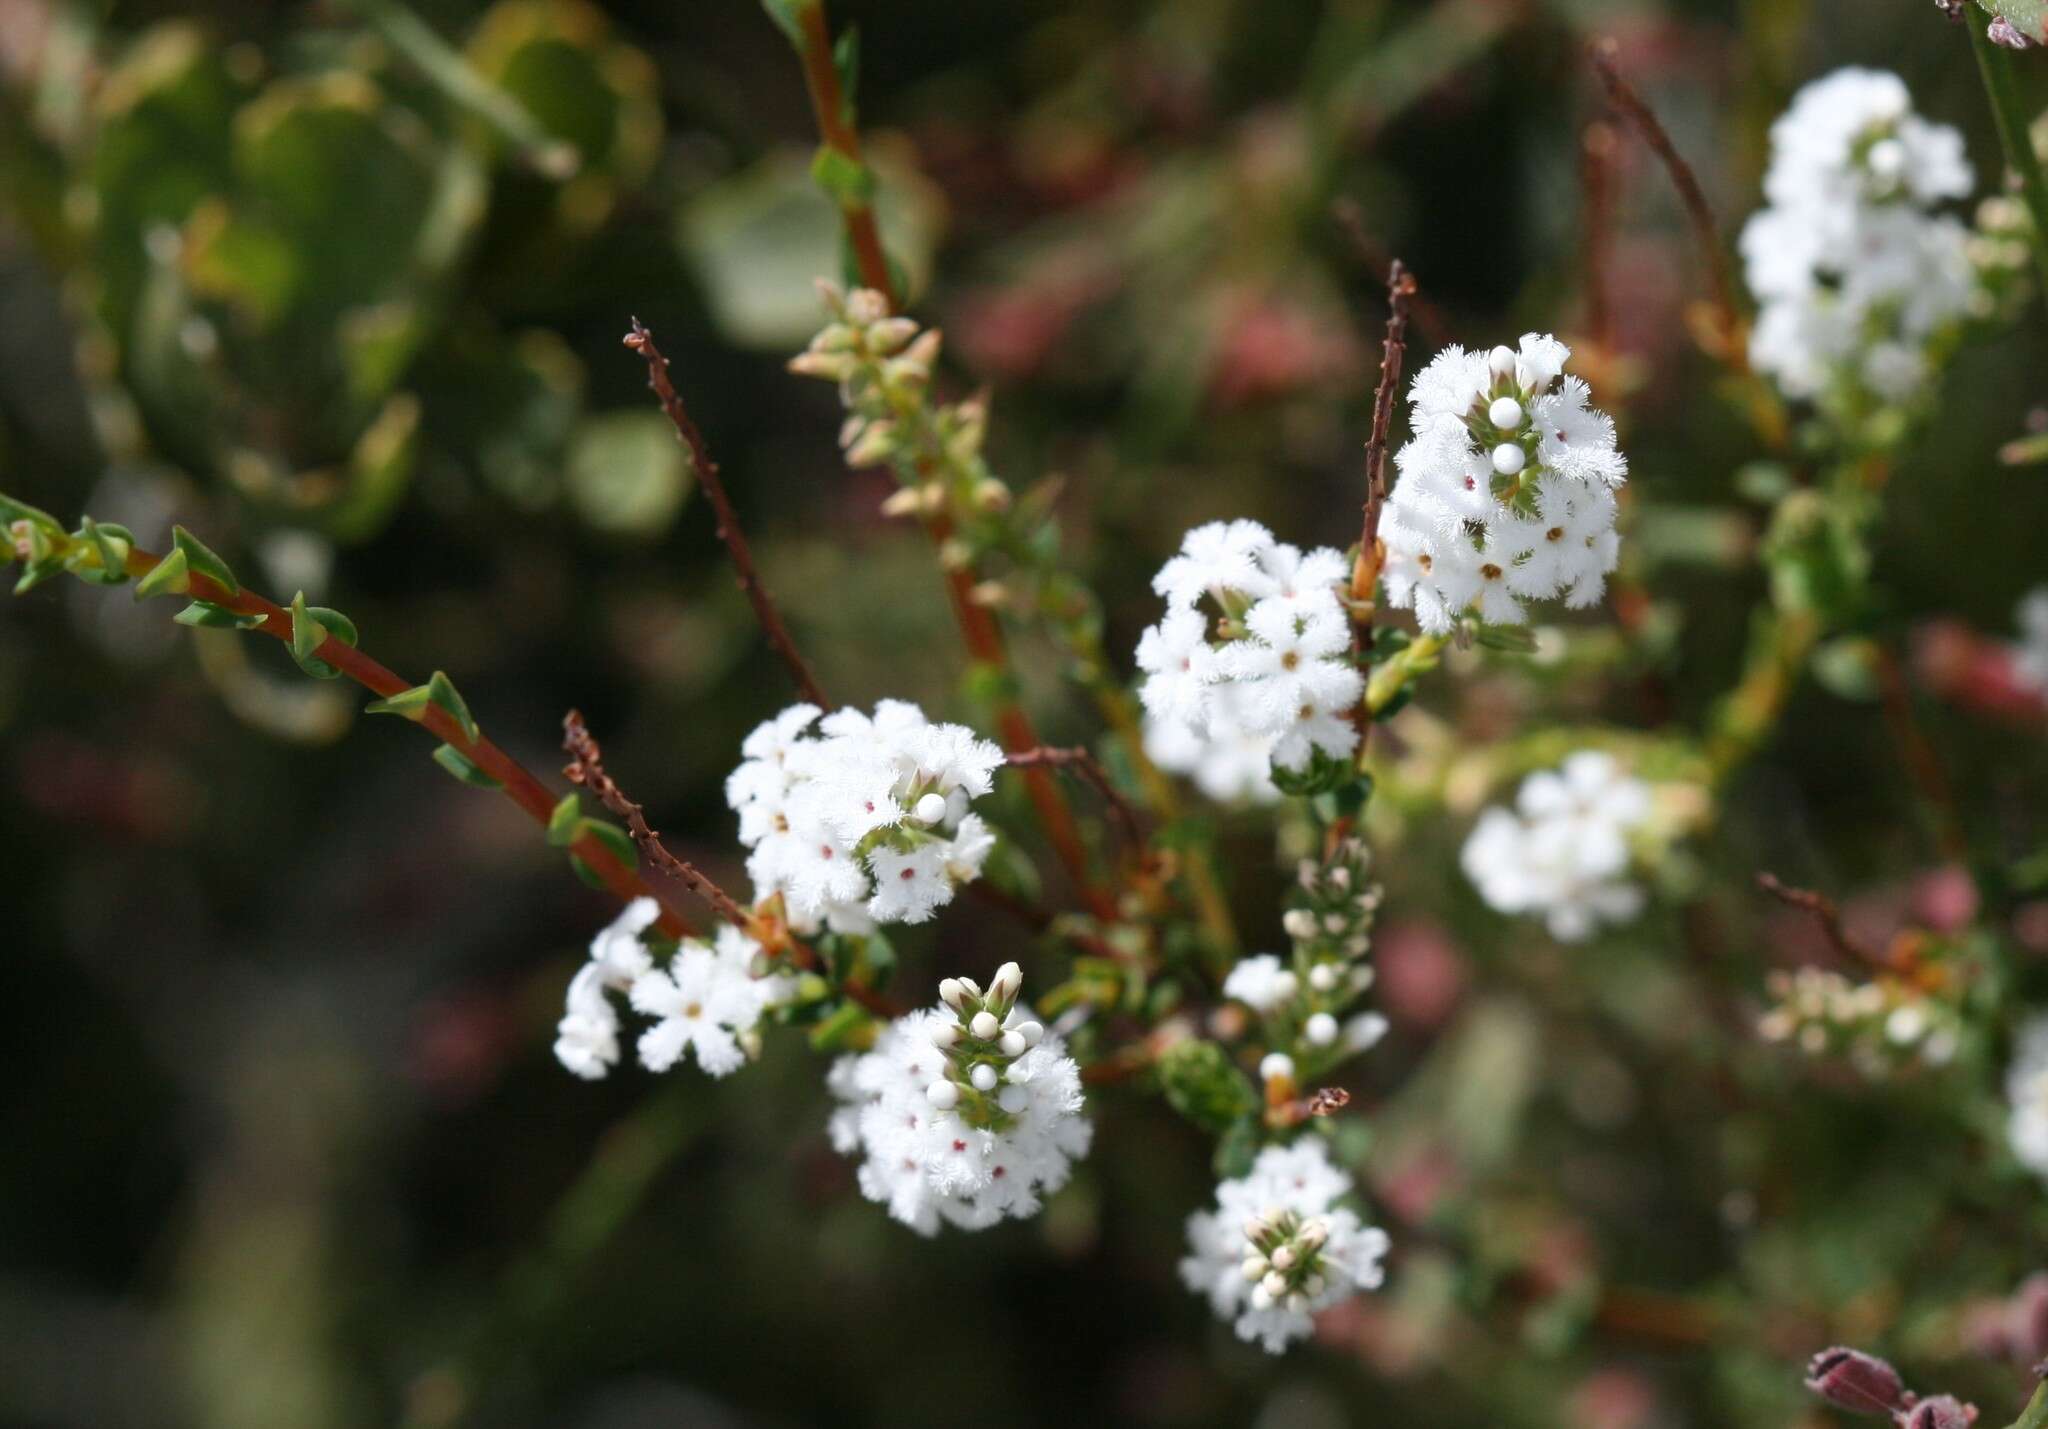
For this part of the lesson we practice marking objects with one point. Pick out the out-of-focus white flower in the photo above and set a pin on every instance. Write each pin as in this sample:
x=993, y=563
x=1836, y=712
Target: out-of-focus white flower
x=2026, y=1091
x=2030, y=656
x=1563, y=850
x=1262, y=983
x=1278, y=1248
x=958, y=1119
x=1506, y=490
x=865, y=818
x=1855, y=275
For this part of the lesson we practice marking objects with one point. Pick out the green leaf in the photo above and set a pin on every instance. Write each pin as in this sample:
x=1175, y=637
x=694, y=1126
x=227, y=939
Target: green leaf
x=406, y=704
x=1323, y=774
x=1515, y=639
x=788, y=16
x=439, y=691
x=614, y=838
x=627, y=473
x=1205, y=1086
x=167, y=577
x=464, y=768
x=847, y=182
x=206, y=615
x=562, y=823
x=846, y=60
x=842, y=1030
x=585, y=872
x=38, y=571
x=110, y=544
x=12, y=511
x=200, y=561
x=311, y=626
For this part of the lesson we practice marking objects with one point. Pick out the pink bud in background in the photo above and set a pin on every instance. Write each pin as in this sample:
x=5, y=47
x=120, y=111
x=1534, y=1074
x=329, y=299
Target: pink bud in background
x=1860, y=1383
x=1943, y=1411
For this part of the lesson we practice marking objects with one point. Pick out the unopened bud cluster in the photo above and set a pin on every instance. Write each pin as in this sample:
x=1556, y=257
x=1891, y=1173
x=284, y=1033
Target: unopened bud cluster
x=1858, y=1383
x=883, y=365
x=980, y=1046
x=1283, y=1260
x=1879, y=1026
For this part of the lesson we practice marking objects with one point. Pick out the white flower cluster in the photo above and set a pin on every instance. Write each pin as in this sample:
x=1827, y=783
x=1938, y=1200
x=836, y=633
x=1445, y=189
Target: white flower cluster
x=2030, y=655
x=707, y=999
x=1229, y=760
x=863, y=819
x=1273, y=664
x=1278, y=1248
x=1878, y=1026
x=1563, y=850
x=968, y=1112
x=1506, y=491
x=2026, y=1090
x=1853, y=272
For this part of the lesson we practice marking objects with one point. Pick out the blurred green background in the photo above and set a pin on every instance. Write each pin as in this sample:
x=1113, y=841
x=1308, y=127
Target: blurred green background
x=286, y=1146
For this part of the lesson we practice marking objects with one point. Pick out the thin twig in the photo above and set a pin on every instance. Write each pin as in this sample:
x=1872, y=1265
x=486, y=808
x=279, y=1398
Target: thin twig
x=1365, y=569
x=1917, y=752
x=640, y=340
x=1088, y=768
x=1697, y=211
x=1430, y=319
x=586, y=769
x=1827, y=915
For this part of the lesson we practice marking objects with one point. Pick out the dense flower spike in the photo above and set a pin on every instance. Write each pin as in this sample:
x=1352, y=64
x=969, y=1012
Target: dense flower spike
x=857, y=819
x=1278, y=1248
x=966, y=1113
x=1856, y=276
x=1878, y=1026
x=1272, y=663
x=1506, y=491
x=1564, y=848
x=706, y=1000
x=2026, y=1093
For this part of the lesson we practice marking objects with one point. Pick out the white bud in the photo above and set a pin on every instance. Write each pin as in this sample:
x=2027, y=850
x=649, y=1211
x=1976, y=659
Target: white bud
x=1505, y=413
x=1299, y=923
x=1297, y=1302
x=1314, y=1231
x=1284, y=987
x=1364, y=1031
x=1262, y=1299
x=985, y=1025
x=1340, y=877
x=1277, y=1066
x=1283, y=1258
x=1887, y=158
x=1005, y=984
x=984, y=1077
x=1509, y=459
x=1254, y=1268
x=1275, y=1284
x=1257, y=1227
x=943, y=1095
x=1501, y=363
x=1313, y=1286
x=1321, y=1029
x=1012, y=1044
x=1322, y=977
x=1013, y=1099
x=929, y=809
x=973, y=988
x=945, y=1035
x=952, y=992
x=1030, y=1032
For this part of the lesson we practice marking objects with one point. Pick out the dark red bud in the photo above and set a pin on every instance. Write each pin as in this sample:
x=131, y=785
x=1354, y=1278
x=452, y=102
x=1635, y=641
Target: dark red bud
x=1860, y=1383
x=1942, y=1411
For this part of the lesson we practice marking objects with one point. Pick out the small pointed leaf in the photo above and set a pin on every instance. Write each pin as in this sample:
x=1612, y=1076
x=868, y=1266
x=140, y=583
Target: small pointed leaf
x=167, y=577
x=614, y=838
x=562, y=823
x=201, y=561
x=204, y=614
x=311, y=626
x=464, y=768
x=441, y=690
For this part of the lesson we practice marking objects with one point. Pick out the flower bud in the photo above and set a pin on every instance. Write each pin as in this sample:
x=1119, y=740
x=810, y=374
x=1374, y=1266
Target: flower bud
x=983, y=1076
x=1314, y=1231
x=1255, y=1268
x=972, y=987
x=1850, y=1379
x=1275, y=1284
x=943, y=1095
x=1008, y=979
x=1283, y=1258
x=1262, y=1298
x=929, y=809
x=1941, y=1411
x=1013, y=1099
x=945, y=1035
x=952, y=992
x=1501, y=363
x=1508, y=459
x=1257, y=1227
x=985, y=1025
x=1321, y=1029
x=1030, y=1032
x=1322, y=977
x=1298, y=923
x=1277, y=1066
x=1314, y=1286
x=1505, y=413
x=1012, y=1044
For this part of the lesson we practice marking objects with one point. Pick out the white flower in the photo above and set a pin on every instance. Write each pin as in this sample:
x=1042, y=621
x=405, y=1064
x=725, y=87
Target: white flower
x=1278, y=690
x=945, y=1142
x=2030, y=656
x=1262, y=983
x=835, y=817
x=708, y=998
x=1506, y=490
x=1854, y=275
x=1277, y=1248
x=1563, y=852
x=2026, y=1090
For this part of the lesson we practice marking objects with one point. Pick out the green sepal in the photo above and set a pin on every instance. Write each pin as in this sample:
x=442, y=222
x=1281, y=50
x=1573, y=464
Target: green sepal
x=166, y=577
x=201, y=561
x=107, y=546
x=1323, y=774
x=464, y=768
x=839, y=1031
x=204, y=614
x=311, y=625
x=562, y=822
x=12, y=511
x=37, y=571
x=1205, y=1086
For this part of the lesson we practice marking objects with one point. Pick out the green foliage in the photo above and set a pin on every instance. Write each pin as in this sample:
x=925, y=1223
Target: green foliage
x=1205, y=1086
